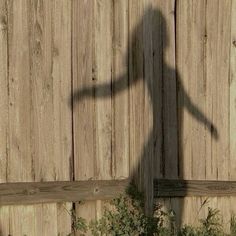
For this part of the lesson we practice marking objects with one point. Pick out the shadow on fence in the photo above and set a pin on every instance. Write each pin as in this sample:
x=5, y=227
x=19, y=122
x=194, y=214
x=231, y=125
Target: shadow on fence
x=177, y=98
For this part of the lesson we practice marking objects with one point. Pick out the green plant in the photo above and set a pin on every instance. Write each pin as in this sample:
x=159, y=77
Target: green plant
x=127, y=218
x=79, y=224
x=212, y=225
x=233, y=225
x=124, y=216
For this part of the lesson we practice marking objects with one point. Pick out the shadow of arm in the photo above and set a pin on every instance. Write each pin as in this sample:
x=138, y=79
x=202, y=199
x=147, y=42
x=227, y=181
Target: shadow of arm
x=199, y=116
x=103, y=90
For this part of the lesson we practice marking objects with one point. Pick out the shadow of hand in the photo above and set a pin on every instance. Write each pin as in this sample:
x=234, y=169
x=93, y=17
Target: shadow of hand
x=214, y=131
x=79, y=95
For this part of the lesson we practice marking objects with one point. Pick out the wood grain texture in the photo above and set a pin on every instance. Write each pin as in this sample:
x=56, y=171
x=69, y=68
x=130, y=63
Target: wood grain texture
x=202, y=131
x=102, y=62
x=218, y=36
x=103, y=104
x=217, y=69
x=232, y=84
x=136, y=80
x=51, y=59
x=182, y=64
x=141, y=96
x=20, y=164
x=83, y=109
x=183, y=188
x=66, y=191
x=39, y=81
x=60, y=191
x=169, y=96
x=4, y=126
x=120, y=92
x=135, y=61
x=233, y=93
x=158, y=158
x=146, y=164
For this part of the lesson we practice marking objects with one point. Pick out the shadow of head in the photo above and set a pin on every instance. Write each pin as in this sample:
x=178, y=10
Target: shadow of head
x=153, y=22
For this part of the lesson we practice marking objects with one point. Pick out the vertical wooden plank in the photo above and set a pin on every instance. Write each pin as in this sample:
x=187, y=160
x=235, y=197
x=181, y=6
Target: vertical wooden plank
x=232, y=128
x=4, y=221
x=140, y=135
x=169, y=97
x=211, y=71
x=83, y=109
x=217, y=66
x=135, y=74
x=217, y=56
x=206, y=86
x=147, y=163
x=103, y=10
x=190, y=56
x=158, y=165
x=197, y=89
x=20, y=164
x=51, y=87
x=120, y=102
x=103, y=65
x=83, y=76
x=61, y=73
x=170, y=142
x=40, y=119
x=64, y=220
x=233, y=93
x=4, y=211
x=51, y=65
x=164, y=100
x=141, y=97
x=182, y=64
x=92, y=65
x=3, y=89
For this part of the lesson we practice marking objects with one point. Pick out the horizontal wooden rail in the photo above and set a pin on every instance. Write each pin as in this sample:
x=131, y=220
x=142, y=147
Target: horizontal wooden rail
x=67, y=191
x=60, y=191
x=182, y=188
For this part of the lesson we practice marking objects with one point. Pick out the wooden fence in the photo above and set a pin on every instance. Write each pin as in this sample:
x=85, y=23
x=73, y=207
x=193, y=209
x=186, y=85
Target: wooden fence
x=105, y=90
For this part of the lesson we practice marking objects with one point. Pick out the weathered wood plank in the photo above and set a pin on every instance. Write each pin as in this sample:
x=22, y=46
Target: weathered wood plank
x=183, y=14
x=196, y=97
x=103, y=103
x=218, y=15
x=211, y=95
x=140, y=95
x=120, y=102
x=136, y=87
x=62, y=114
x=66, y=191
x=232, y=84
x=146, y=164
x=103, y=16
x=158, y=166
x=39, y=116
x=20, y=162
x=60, y=191
x=217, y=72
x=4, y=211
x=233, y=93
x=83, y=109
x=169, y=101
x=3, y=90
x=183, y=188
x=50, y=42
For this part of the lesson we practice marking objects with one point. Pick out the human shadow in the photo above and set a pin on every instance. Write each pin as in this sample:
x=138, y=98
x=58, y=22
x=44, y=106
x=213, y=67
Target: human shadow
x=168, y=99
